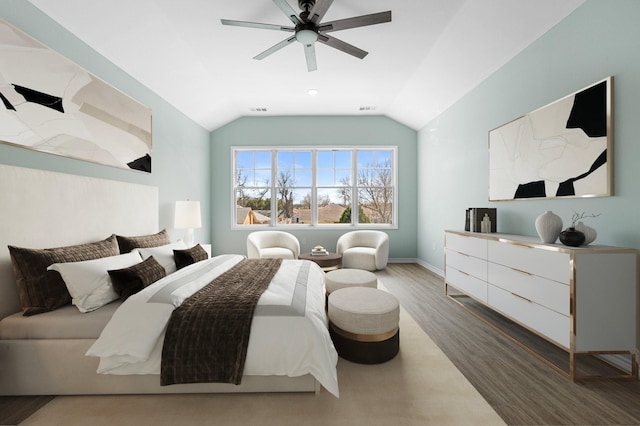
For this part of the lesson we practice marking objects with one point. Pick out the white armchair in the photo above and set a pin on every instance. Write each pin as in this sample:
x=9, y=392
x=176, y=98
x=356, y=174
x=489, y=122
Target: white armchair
x=261, y=244
x=368, y=250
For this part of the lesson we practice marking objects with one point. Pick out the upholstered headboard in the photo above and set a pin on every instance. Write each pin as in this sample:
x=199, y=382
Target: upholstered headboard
x=41, y=209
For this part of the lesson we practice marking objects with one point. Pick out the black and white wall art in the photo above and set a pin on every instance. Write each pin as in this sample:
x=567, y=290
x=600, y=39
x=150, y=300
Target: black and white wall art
x=50, y=104
x=563, y=149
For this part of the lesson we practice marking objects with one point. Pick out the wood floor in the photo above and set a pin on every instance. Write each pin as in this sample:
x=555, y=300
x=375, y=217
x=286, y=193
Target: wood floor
x=521, y=388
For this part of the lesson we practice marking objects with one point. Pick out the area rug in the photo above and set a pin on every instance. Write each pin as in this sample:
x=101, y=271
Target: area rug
x=420, y=386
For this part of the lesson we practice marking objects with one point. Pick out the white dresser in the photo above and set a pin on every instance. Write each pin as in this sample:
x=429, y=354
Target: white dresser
x=582, y=299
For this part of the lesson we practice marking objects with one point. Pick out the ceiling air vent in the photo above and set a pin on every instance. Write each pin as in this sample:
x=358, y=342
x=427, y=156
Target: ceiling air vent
x=367, y=108
x=258, y=109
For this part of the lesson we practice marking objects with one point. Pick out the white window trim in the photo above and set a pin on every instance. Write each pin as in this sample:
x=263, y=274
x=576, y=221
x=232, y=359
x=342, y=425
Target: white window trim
x=311, y=226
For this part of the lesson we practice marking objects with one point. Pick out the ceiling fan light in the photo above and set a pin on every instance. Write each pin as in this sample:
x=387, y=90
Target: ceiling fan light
x=307, y=36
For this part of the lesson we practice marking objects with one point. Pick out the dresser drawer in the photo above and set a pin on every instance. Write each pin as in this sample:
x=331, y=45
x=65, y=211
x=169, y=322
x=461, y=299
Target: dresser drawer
x=466, y=283
x=538, y=318
x=543, y=291
x=472, y=246
x=469, y=264
x=545, y=263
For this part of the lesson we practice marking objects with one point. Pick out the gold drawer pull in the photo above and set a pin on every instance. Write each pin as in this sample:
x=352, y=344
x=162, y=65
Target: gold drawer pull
x=522, y=272
x=521, y=297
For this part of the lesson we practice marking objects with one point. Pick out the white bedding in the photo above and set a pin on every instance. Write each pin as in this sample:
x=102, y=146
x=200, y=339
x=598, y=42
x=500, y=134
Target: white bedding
x=289, y=333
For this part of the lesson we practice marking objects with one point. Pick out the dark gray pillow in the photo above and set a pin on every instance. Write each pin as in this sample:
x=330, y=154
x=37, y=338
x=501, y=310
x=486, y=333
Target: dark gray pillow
x=143, y=241
x=41, y=290
x=129, y=281
x=188, y=256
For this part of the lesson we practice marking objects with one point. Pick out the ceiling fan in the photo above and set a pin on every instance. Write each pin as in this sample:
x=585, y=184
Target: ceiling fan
x=308, y=29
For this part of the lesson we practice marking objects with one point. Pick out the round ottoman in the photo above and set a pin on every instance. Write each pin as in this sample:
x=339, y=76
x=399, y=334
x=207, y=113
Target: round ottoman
x=363, y=323
x=342, y=278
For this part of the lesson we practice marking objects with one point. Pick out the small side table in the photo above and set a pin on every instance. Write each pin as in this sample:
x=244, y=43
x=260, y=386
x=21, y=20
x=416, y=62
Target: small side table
x=328, y=262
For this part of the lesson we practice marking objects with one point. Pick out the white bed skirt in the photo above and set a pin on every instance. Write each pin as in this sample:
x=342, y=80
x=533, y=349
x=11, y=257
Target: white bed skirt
x=59, y=367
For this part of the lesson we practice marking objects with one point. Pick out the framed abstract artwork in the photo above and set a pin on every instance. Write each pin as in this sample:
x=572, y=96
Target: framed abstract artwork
x=563, y=149
x=50, y=104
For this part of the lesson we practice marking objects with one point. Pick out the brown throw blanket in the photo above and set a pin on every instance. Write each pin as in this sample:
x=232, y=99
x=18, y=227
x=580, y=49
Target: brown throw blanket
x=208, y=335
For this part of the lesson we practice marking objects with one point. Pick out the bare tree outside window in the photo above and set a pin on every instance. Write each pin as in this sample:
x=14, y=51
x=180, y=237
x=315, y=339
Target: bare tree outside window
x=375, y=191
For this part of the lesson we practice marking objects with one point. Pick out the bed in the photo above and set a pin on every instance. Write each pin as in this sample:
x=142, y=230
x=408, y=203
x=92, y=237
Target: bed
x=46, y=353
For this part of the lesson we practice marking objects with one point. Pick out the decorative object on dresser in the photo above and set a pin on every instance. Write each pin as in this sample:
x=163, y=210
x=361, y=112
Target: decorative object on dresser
x=548, y=227
x=590, y=234
x=571, y=237
x=565, y=295
x=187, y=216
x=559, y=150
x=481, y=219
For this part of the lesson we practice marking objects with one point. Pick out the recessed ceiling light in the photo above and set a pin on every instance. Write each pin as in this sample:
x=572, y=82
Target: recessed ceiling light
x=312, y=92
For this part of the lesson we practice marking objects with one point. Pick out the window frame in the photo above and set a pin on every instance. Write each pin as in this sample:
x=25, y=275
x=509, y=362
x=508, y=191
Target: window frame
x=273, y=224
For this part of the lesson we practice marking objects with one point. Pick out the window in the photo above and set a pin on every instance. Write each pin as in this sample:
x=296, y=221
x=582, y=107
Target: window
x=314, y=187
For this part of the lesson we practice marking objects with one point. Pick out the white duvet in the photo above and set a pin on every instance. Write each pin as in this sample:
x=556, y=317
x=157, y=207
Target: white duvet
x=289, y=333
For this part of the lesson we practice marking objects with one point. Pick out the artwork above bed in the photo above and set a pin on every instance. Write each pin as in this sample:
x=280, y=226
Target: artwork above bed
x=50, y=104
x=563, y=149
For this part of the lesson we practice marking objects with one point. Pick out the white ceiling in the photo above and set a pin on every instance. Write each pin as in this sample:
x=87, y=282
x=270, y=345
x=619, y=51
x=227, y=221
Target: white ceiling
x=428, y=57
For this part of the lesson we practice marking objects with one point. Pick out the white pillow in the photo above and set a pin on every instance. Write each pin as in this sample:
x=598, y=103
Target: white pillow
x=163, y=254
x=88, y=281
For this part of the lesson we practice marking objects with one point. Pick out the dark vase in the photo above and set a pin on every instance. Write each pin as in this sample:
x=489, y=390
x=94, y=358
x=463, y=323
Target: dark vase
x=571, y=237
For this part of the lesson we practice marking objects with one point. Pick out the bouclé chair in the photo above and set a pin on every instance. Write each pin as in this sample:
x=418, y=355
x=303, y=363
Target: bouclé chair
x=261, y=244
x=368, y=250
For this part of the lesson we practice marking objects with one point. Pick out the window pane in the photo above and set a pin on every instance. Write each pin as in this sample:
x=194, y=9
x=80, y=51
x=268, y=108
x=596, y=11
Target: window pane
x=365, y=159
x=303, y=159
x=343, y=159
x=263, y=178
x=263, y=160
x=376, y=204
x=244, y=159
x=303, y=177
x=325, y=177
x=331, y=206
x=285, y=159
x=325, y=158
x=253, y=206
x=289, y=203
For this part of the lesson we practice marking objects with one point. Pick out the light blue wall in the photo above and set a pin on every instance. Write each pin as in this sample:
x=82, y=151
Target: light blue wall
x=599, y=39
x=180, y=151
x=314, y=131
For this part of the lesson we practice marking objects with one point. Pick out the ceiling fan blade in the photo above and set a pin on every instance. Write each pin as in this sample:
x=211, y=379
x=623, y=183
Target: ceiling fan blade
x=288, y=10
x=275, y=48
x=342, y=46
x=319, y=9
x=310, y=54
x=357, y=21
x=256, y=25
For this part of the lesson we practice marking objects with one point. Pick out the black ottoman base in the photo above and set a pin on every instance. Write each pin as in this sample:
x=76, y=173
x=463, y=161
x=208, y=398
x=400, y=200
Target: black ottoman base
x=365, y=352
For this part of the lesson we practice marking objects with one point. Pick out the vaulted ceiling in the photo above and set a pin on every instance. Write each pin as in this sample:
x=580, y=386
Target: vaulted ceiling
x=419, y=64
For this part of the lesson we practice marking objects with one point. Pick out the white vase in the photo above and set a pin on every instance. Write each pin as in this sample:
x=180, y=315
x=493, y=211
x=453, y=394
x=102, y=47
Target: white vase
x=548, y=226
x=590, y=234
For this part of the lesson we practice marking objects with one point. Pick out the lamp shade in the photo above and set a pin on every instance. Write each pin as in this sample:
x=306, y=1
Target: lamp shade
x=187, y=215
